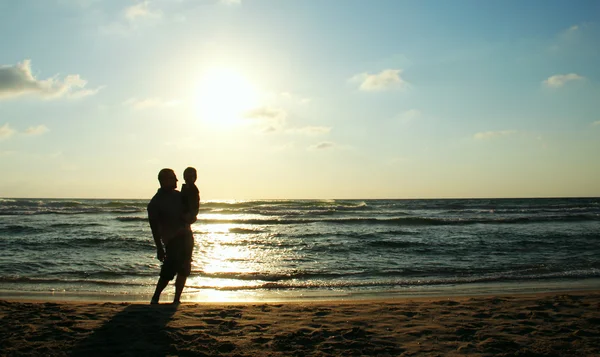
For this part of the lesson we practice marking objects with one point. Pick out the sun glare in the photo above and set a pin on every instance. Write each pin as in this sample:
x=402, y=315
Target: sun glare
x=224, y=95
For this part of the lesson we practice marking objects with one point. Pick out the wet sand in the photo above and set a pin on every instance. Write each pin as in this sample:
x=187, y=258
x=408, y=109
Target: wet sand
x=550, y=324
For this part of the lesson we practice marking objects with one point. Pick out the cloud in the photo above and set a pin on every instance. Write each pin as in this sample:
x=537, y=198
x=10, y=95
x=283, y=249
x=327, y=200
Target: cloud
x=230, y=2
x=573, y=33
x=85, y=92
x=574, y=39
x=596, y=123
x=493, y=134
x=18, y=80
x=141, y=104
x=410, y=115
x=322, y=145
x=36, y=130
x=294, y=98
x=6, y=131
x=274, y=118
x=559, y=80
x=269, y=113
x=141, y=10
x=310, y=130
x=384, y=80
x=573, y=28
x=132, y=19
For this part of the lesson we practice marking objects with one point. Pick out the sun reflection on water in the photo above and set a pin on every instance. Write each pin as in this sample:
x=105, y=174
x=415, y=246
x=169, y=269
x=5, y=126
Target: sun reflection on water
x=224, y=260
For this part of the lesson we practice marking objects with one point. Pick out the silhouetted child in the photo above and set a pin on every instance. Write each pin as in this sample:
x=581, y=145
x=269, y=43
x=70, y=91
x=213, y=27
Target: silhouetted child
x=190, y=195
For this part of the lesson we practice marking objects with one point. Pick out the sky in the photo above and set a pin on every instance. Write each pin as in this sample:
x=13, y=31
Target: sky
x=311, y=99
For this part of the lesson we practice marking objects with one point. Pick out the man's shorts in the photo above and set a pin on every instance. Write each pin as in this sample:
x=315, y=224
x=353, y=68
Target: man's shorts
x=178, y=259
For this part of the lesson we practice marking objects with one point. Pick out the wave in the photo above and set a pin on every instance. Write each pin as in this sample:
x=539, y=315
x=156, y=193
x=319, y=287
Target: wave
x=245, y=231
x=398, y=244
x=388, y=280
x=132, y=219
x=20, y=229
x=257, y=281
x=59, y=281
x=407, y=221
x=79, y=243
x=74, y=225
x=46, y=206
x=320, y=209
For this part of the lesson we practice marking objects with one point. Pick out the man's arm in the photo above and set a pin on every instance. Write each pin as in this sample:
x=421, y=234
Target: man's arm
x=160, y=250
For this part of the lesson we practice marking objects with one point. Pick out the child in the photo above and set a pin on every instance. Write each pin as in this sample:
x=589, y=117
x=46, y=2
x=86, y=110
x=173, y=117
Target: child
x=190, y=196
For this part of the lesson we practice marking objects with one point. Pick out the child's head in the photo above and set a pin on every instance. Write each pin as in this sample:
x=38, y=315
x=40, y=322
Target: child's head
x=189, y=175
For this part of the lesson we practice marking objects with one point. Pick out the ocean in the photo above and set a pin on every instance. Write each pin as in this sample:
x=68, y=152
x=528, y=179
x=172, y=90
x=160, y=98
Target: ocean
x=274, y=250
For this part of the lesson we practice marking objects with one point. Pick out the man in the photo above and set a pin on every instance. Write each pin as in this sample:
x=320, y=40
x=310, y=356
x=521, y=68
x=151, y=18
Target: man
x=172, y=235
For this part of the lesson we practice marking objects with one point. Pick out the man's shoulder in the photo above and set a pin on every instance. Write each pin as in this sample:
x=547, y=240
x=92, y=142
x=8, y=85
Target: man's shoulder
x=162, y=195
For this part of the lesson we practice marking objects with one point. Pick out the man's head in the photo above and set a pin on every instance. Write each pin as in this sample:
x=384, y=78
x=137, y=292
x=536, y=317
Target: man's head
x=167, y=179
x=190, y=175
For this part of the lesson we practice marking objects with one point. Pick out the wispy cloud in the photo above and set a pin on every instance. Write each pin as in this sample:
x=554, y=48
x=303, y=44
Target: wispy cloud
x=596, y=123
x=310, y=130
x=493, y=134
x=294, y=98
x=267, y=113
x=575, y=38
x=140, y=11
x=559, y=80
x=572, y=29
x=18, y=80
x=148, y=103
x=322, y=145
x=36, y=130
x=132, y=18
x=85, y=92
x=384, y=80
x=572, y=33
x=274, y=118
x=410, y=115
x=6, y=131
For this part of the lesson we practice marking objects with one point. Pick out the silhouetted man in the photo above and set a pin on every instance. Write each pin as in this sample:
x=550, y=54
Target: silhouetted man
x=172, y=235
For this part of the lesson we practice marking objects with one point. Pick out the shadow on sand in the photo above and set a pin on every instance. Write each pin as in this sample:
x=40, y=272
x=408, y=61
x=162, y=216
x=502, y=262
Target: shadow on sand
x=138, y=330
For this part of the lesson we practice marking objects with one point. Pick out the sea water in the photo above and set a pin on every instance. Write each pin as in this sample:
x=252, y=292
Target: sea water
x=265, y=250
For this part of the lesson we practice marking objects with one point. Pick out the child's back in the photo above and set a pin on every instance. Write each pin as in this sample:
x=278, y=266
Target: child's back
x=190, y=195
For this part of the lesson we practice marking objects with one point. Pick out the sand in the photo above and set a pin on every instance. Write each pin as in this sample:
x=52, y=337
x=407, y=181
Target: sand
x=554, y=324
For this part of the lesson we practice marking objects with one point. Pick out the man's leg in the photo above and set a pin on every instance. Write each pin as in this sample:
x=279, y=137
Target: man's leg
x=179, y=285
x=186, y=267
x=160, y=286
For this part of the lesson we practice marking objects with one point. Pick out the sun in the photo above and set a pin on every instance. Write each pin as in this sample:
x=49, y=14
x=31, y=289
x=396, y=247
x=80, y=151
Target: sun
x=224, y=95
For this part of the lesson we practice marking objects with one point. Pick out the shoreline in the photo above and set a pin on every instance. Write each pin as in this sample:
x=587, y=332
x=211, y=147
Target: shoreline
x=315, y=295
x=538, y=324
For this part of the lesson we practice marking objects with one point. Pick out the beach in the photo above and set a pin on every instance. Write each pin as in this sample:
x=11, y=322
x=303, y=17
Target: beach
x=543, y=324
x=460, y=277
